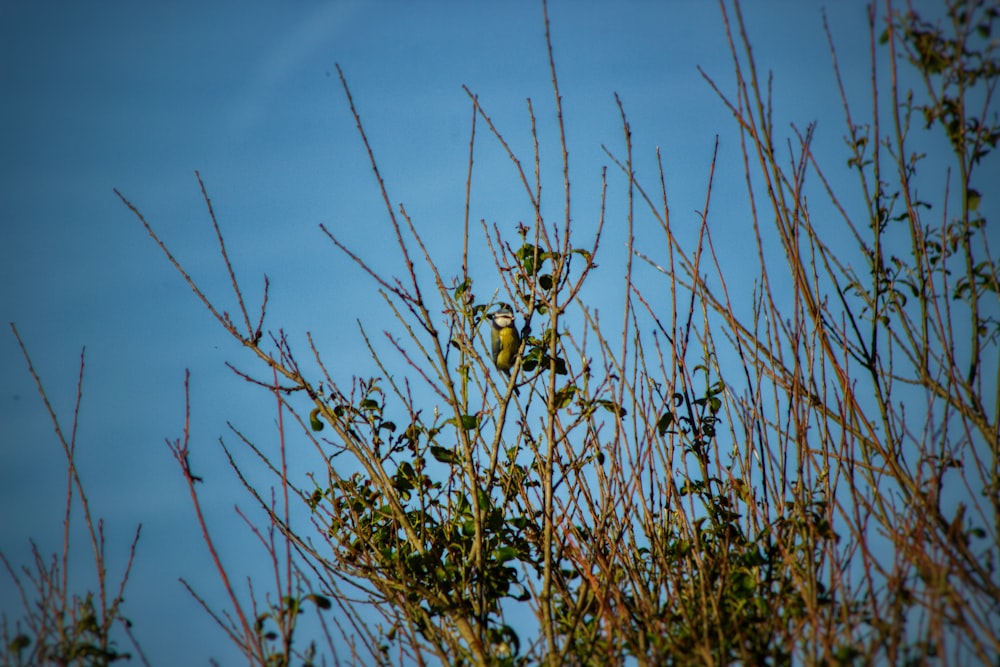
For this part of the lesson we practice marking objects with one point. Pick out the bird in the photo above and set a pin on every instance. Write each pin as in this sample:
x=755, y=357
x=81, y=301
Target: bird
x=506, y=341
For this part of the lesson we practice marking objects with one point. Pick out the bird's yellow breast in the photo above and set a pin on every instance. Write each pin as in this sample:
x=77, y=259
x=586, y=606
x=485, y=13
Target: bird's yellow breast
x=508, y=348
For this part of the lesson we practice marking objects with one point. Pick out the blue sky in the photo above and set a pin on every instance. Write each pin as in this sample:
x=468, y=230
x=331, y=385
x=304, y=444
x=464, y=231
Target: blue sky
x=136, y=96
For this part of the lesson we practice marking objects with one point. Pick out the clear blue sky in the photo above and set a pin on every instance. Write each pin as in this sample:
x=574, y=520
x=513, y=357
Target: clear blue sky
x=136, y=96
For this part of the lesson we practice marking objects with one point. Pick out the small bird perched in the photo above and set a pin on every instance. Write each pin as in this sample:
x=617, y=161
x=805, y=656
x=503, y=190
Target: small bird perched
x=506, y=341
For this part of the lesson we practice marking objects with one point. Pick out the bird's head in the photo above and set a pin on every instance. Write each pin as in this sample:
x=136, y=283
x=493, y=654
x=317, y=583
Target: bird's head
x=502, y=319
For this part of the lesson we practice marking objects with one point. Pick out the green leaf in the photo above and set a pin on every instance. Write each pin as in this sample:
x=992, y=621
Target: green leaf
x=664, y=423
x=19, y=643
x=563, y=396
x=314, y=420
x=469, y=422
x=561, y=366
x=526, y=255
x=444, y=455
x=613, y=407
x=972, y=197
x=292, y=606
x=504, y=554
